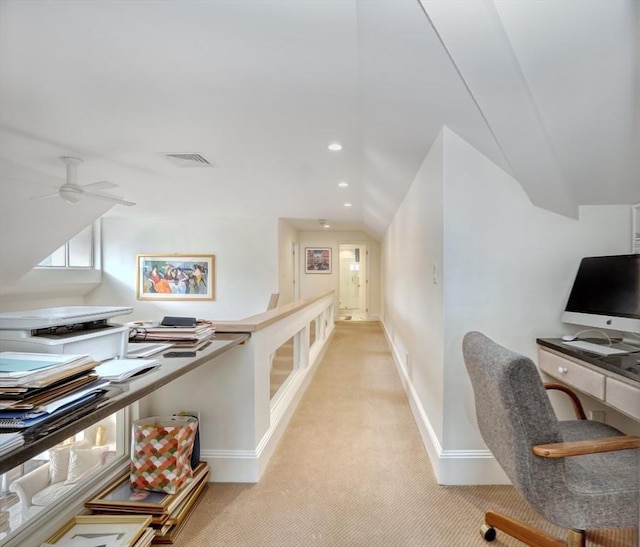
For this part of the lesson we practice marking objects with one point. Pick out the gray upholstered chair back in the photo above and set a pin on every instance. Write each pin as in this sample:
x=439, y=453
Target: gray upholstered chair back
x=513, y=413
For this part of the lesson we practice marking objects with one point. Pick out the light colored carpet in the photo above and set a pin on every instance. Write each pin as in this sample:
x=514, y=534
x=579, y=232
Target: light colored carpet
x=351, y=471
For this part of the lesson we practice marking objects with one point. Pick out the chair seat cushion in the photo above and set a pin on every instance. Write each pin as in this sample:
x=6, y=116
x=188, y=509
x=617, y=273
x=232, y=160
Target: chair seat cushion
x=608, y=472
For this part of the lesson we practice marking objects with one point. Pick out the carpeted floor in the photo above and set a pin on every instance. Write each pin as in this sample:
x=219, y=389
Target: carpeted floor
x=351, y=471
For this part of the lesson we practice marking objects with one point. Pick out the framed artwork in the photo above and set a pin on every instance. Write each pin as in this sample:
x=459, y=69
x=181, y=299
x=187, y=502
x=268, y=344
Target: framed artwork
x=98, y=530
x=120, y=496
x=317, y=260
x=175, y=277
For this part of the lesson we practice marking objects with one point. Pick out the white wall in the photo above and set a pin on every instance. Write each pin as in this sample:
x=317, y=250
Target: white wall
x=311, y=284
x=246, y=252
x=412, y=303
x=506, y=268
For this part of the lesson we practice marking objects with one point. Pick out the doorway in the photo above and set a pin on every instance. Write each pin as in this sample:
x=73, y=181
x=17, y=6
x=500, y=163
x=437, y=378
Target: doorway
x=353, y=282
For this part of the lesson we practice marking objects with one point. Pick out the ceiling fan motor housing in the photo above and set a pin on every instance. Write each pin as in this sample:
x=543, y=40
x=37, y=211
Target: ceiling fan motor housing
x=70, y=193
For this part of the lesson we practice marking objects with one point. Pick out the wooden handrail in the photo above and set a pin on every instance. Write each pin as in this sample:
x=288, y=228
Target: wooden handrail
x=264, y=319
x=591, y=446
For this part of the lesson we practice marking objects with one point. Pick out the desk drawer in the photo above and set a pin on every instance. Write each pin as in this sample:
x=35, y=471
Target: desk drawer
x=572, y=374
x=624, y=397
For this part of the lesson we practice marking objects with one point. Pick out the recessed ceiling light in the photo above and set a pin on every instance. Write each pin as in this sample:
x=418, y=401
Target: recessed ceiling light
x=348, y=205
x=343, y=184
x=326, y=225
x=335, y=147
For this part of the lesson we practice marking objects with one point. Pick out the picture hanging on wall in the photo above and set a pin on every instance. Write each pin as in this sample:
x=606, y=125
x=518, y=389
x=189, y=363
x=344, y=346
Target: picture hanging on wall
x=175, y=277
x=318, y=260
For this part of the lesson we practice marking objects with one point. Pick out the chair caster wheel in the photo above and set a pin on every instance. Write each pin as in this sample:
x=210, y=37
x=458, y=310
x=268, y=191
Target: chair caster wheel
x=487, y=532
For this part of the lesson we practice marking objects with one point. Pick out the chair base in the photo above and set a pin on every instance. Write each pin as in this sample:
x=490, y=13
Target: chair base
x=526, y=533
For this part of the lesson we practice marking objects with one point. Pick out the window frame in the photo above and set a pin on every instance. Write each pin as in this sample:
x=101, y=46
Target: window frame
x=93, y=252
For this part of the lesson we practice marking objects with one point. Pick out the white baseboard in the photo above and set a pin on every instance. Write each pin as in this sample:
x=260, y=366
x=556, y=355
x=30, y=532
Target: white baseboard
x=451, y=467
x=232, y=465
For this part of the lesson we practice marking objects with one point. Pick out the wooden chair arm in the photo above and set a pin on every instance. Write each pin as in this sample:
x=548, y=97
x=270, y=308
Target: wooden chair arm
x=591, y=446
x=577, y=405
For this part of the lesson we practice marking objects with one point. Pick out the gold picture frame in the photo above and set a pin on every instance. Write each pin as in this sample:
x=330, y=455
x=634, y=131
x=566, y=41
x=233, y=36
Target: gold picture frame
x=128, y=528
x=120, y=496
x=175, y=277
x=117, y=496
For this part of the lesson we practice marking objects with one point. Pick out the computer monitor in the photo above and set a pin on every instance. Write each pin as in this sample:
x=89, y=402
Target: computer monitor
x=606, y=293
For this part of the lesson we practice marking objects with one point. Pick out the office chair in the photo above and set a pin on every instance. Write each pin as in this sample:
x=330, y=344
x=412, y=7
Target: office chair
x=578, y=474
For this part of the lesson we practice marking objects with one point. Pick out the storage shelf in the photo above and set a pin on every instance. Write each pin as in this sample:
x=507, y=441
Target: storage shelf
x=120, y=396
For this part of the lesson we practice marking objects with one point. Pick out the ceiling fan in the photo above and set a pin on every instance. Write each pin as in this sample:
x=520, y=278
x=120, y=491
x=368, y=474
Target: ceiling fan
x=72, y=192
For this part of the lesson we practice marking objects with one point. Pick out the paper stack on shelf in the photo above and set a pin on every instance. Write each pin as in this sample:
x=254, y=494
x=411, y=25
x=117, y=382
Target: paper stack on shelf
x=45, y=388
x=22, y=418
x=121, y=370
x=178, y=336
x=10, y=441
x=33, y=370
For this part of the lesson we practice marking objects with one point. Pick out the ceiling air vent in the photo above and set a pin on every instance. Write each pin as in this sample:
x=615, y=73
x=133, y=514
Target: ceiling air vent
x=188, y=160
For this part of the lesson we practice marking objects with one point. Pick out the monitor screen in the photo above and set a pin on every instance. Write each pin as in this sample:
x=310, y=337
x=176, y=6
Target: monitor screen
x=607, y=290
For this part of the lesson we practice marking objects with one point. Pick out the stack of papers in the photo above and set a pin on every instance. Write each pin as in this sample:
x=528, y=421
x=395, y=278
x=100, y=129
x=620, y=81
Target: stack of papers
x=33, y=370
x=10, y=441
x=178, y=336
x=39, y=388
x=35, y=398
x=19, y=418
x=121, y=370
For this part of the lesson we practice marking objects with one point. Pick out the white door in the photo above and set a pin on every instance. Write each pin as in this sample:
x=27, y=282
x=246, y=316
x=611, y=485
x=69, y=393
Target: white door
x=296, y=271
x=353, y=281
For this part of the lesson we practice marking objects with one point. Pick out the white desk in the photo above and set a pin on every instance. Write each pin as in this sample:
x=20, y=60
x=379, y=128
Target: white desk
x=614, y=390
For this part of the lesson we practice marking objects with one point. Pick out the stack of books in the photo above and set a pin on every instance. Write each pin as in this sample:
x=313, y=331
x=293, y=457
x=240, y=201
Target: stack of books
x=169, y=512
x=38, y=388
x=181, y=337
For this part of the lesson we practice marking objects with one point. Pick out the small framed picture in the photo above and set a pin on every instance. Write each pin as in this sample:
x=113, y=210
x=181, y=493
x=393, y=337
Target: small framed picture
x=175, y=277
x=317, y=260
x=121, y=531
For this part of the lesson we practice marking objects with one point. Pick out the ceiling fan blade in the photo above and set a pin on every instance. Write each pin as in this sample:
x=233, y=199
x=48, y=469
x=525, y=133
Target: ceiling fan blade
x=45, y=196
x=109, y=197
x=102, y=185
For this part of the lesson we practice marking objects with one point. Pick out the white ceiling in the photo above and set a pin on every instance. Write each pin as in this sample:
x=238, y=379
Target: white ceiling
x=547, y=90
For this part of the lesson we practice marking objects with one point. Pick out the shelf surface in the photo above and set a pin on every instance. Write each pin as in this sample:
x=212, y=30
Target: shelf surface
x=119, y=396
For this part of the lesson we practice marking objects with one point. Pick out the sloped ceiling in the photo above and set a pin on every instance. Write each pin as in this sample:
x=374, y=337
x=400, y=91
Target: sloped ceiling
x=547, y=90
